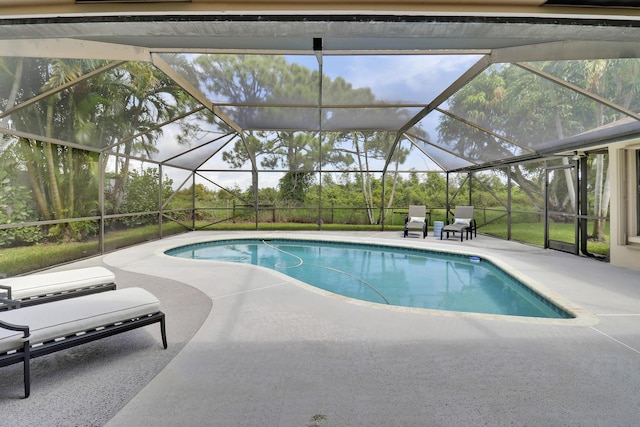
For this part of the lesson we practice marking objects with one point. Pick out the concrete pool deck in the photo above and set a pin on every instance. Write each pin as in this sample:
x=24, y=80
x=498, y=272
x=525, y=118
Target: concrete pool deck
x=267, y=351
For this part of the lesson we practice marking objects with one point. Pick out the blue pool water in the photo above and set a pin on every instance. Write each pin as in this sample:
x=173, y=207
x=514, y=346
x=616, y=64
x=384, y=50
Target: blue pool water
x=387, y=275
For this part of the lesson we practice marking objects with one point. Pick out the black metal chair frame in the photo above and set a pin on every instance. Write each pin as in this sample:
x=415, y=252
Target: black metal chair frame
x=470, y=230
x=28, y=352
x=425, y=225
x=9, y=303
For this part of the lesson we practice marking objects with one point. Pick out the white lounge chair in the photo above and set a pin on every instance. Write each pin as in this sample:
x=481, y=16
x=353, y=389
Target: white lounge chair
x=416, y=220
x=463, y=222
x=43, y=329
x=52, y=286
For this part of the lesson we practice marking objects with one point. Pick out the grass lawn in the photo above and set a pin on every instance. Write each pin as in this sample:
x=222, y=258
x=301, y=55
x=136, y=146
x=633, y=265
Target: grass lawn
x=533, y=233
x=24, y=259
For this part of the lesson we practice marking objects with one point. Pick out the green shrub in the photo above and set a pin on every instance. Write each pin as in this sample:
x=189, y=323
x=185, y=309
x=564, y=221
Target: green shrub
x=15, y=209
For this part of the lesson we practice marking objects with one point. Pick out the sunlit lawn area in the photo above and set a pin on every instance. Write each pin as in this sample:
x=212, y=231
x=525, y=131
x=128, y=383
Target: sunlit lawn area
x=24, y=259
x=20, y=260
x=533, y=233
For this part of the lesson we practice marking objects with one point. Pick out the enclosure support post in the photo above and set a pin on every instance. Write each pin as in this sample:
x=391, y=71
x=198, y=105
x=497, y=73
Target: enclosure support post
x=319, y=220
x=583, y=204
x=160, y=200
x=254, y=175
x=383, y=198
x=318, y=50
x=509, y=187
x=470, y=188
x=101, y=201
x=546, y=208
x=576, y=208
x=447, y=207
x=193, y=201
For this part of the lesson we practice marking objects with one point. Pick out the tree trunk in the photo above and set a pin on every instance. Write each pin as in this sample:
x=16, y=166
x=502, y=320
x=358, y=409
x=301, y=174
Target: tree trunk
x=568, y=177
x=571, y=189
x=601, y=187
x=364, y=178
x=34, y=181
x=51, y=166
x=17, y=79
x=121, y=184
x=597, y=195
x=530, y=188
x=71, y=189
x=370, y=213
x=393, y=187
x=602, y=209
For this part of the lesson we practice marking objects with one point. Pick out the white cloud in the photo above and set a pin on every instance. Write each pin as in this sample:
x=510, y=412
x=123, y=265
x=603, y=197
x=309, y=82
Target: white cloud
x=409, y=78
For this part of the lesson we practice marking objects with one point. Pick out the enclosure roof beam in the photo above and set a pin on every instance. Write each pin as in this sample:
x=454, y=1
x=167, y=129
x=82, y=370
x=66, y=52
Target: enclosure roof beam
x=158, y=126
x=166, y=203
x=60, y=88
x=394, y=147
x=250, y=153
x=578, y=89
x=72, y=49
x=159, y=62
x=205, y=160
x=466, y=159
x=483, y=129
x=413, y=141
x=567, y=50
x=222, y=188
x=460, y=82
x=197, y=147
x=41, y=138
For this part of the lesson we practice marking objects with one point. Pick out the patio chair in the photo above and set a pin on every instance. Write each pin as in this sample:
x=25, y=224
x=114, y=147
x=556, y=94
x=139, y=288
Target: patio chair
x=41, y=288
x=43, y=329
x=416, y=220
x=463, y=222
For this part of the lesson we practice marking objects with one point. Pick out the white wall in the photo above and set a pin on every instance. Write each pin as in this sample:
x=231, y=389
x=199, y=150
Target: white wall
x=625, y=242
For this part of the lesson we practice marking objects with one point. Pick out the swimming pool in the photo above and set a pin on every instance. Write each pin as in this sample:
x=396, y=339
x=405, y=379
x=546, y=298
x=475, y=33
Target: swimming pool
x=387, y=275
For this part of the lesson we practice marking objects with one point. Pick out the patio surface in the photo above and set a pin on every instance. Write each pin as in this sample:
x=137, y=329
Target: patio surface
x=251, y=347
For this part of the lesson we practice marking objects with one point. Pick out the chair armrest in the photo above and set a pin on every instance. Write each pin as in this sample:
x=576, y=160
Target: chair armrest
x=11, y=304
x=8, y=289
x=20, y=328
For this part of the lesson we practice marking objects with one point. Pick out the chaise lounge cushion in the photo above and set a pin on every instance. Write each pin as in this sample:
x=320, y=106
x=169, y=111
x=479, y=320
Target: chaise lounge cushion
x=59, y=281
x=462, y=221
x=68, y=317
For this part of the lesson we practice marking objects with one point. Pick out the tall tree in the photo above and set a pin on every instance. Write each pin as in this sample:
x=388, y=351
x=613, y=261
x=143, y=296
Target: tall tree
x=48, y=165
x=262, y=88
x=140, y=96
x=98, y=112
x=616, y=80
x=484, y=102
x=523, y=108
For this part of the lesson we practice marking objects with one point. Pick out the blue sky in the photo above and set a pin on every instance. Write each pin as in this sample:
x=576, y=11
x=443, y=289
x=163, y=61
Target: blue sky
x=396, y=78
x=409, y=78
x=392, y=78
